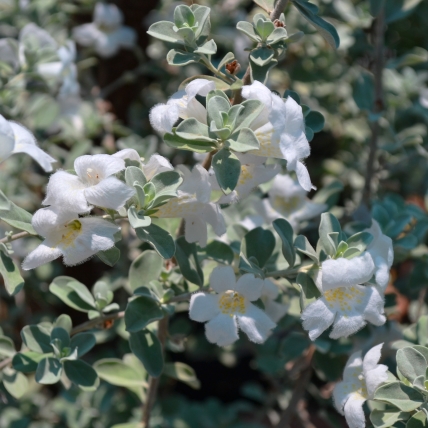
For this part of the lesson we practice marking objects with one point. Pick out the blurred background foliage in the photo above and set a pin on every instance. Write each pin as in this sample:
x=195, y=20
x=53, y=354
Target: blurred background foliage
x=237, y=384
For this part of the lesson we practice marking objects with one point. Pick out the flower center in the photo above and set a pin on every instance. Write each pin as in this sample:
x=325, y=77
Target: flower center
x=93, y=176
x=231, y=303
x=245, y=175
x=287, y=205
x=71, y=232
x=343, y=296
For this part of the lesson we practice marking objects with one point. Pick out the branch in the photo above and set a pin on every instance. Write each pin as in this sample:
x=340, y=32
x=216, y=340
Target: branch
x=154, y=381
x=96, y=322
x=15, y=237
x=299, y=389
x=278, y=9
x=378, y=33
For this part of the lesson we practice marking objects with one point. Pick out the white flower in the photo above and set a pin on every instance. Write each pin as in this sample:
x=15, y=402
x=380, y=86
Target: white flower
x=288, y=199
x=106, y=34
x=231, y=309
x=194, y=206
x=273, y=309
x=183, y=104
x=382, y=254
x=14, y=138
x=155, y=165
x=77, y=239
x=361, y=378
x=253, y=172
x=344, y=302
x=280, y=129
x=93, y=184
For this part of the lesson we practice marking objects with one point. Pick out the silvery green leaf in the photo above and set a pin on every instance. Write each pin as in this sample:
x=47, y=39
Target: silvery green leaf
x=164, y=30
x=258, y=244
x=82, y=374
x=48, y=371
x=219, y=84
x=248, y=29
x=329, y=224
x=208, y=48
x=186, y=255
x=277, y=35
x=302, y=244
x=295, y=37
x=110, y=257
x=166, y=184
x=387, y=418
x=138, y=220
x=399, y=395
x=145, y=268
x=27, y=361
x=315, y=120
x=181, y=58
x=15, y=383
x=83, y=342
x=191, y=129
x=14, y=215
x=418, y=420
x=285, y=231
x=12, y=278
x=61, y=337
x=197, y=146
x=149, y=193
x=247, y=115
x=248, y=266
x=134, y=175
x=183, y=373
x=116, y=372
x=411, y=363
x=7, y=347
x=261, y=56
x=309, y=291
x=101, y=290
x=73, y=293
x=246, y=140
x=188, y=35
x=147, y=348
x=230, y=56
x=267, y=5
x=363, y=91
x=360, y=241
x=396, y=10
x=260, y=73
x=184, y=17
x=140, y=195
x=264, y=27
x=309, y=11
x=202, y=17
x=161, y=240
x=215, y=106
x=309, y=133
x=36, y=338
x=227, y=169
x=140, y=312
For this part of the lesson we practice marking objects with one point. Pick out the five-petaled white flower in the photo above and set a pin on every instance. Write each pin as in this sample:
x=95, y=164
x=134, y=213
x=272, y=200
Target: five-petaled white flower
x=93, y=184
x=280, y=129
x=66, y=234
x=344, y=302
x=14, y=138
x=361, y=378
x=183, y=104
x=287, y=199
x=106, y=34
x=253, y=172
x=194, y=206
x=231, y=308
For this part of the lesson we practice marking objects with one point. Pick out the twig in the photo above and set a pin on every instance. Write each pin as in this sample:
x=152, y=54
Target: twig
x=299, y=389
x=278, y=9
x=154, y=381
x=5, y=363
x=88, y=325
x=378, y=33
x=421, y=301
x=15, y=237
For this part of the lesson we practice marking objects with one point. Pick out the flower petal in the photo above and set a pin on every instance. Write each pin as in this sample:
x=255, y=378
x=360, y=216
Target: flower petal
x=317, y=317
x=343, y=272
x=348, y=323
x=222, y=279
x=128, y=154
x=195, y=230
x=354, y=413
x=96, y=235
x=222, y=330
x=249, y=286
x=109, y=193
x=374, y=378
x=203, y=307
x=155, y=165
x=41, y=255
x=274, y=310
x=372, y=357
x=255, y=324
x=66, y=191
x=163, y=117
x=270, y=289
x=102, y=165
x=86, y=34
x=199, y=87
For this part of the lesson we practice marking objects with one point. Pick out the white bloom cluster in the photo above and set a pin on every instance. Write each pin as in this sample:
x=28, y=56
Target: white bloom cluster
x=105, y=34
x=351, y=290
x=361, y=378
